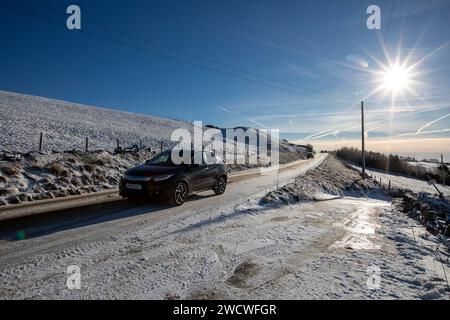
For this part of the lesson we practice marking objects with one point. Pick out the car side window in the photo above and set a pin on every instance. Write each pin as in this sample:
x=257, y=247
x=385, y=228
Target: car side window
x=209, y=158
x=198, y=159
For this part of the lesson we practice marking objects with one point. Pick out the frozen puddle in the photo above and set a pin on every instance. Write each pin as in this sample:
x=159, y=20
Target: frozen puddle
x=360, y=226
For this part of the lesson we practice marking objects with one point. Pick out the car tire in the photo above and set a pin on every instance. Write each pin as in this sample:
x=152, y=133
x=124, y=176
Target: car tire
x=178, y=194
x=221, y=185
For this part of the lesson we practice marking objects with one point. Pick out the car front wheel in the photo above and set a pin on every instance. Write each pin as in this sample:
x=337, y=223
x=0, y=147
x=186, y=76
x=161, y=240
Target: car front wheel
x=221, y=185
x=179, y=194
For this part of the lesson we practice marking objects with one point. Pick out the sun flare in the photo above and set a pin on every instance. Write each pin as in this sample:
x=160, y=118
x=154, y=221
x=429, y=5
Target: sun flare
x=396, y=78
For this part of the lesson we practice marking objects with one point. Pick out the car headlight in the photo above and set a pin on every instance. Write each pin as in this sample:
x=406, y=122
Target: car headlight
x=162, y=177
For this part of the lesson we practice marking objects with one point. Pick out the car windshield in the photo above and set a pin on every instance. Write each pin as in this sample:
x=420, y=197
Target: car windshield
x=162, y=159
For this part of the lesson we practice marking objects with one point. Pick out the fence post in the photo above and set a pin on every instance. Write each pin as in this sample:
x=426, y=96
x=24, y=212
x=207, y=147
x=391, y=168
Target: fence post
x=118, y=143
x=41, y=140
x=389, y=187
x=87, y=144
x=161, y=146
x=140, y=144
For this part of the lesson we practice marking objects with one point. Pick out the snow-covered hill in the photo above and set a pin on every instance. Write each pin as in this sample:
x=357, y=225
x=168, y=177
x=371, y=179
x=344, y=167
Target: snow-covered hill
x=66, y=125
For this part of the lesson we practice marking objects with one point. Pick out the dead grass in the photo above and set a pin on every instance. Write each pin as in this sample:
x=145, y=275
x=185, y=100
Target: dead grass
x=6, y=191
x=34, y=165
x=12, y=170
x=89, y=167
x=58, y=170
x=95, y=161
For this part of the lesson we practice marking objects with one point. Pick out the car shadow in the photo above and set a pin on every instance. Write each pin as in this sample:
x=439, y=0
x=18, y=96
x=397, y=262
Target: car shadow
x=222, y=218
x=45, y=224
x=198, y=196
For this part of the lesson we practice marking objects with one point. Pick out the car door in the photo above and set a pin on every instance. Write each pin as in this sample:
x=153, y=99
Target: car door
x=212, y=171
x=198, y=170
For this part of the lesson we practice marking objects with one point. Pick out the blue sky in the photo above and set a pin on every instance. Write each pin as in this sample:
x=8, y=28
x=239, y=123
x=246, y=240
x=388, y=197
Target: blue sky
x=320, y=53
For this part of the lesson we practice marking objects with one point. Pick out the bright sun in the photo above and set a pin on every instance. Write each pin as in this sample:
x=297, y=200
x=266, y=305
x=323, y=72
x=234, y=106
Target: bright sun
x=396, y=78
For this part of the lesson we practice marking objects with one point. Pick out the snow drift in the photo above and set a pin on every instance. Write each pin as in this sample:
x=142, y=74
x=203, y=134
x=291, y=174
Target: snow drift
x=331, y=179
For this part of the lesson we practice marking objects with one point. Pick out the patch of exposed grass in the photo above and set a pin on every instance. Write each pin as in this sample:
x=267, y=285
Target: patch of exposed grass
x=95, y=161
x=34, y=165
x=89, y=167
x=58, y=170
x=7, y=191
x=12, y=170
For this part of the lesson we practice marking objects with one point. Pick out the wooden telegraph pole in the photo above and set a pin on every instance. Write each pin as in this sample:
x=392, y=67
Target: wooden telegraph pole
x=363, y=152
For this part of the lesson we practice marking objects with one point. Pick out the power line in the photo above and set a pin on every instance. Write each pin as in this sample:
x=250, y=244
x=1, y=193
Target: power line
x=389, y=22
x=196, y=56
x=158, y=53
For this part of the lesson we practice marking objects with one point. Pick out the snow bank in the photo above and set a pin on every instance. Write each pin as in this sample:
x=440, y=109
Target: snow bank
x=331, y=179
x=47, y=175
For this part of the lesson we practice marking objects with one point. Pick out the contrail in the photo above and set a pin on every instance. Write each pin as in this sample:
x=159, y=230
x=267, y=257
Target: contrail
x=327, y=132
x=315, y=134
x=333, y=131
x=431, y=122
x=238, y=115
x=229, y=111
x=423, y=132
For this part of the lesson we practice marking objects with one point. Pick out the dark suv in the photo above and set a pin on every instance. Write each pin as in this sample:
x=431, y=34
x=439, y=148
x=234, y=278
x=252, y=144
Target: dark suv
x=161, y=178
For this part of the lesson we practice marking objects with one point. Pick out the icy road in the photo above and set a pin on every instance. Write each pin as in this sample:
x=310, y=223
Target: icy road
x=224, y=247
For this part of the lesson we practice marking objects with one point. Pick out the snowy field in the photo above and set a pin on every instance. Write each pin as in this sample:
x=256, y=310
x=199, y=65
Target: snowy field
x=413, y=184
x=427, y=165
x=66, y=125
x=236, y=247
